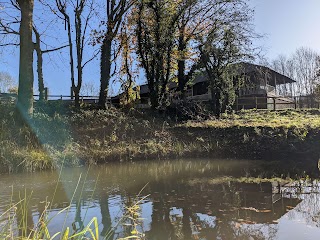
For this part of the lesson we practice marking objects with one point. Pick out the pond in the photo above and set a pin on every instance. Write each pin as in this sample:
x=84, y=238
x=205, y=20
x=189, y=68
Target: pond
x=181, y=199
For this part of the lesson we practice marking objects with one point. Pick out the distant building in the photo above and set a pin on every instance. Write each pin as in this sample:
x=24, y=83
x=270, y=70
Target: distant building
x=258, y=91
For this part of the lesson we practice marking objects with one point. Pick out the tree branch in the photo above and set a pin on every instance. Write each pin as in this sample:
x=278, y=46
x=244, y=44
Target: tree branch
x=54, y=49
x=90, y=59
x=9, y=44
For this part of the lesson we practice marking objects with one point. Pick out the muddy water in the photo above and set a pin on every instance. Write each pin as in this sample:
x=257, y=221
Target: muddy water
x=185, y=199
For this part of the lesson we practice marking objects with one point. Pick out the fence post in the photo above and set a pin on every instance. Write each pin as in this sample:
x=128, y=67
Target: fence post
x=46, y=93
x=274, y=104
x=295, y=102
x=71, y=93
x=256, y=100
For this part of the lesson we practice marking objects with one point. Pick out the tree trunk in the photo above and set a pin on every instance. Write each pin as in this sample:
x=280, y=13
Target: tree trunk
x=25, y=91
x=106, y=220
x=154, y=99
x=70, y=54
x=39, y=53
x=76, y=97
x=40, y=72
x=181, y=64
x=79, y=49
x=181, y=77
x=186, y=227
x=217, y=103
x=216, y=90
x=105, y=70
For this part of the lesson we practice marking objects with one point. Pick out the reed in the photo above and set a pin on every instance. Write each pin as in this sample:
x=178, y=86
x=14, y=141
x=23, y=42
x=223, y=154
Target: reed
x=11, y=228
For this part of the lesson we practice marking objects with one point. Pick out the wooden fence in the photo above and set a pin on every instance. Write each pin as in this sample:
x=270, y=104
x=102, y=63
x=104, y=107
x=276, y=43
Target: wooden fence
x=271, y=103
x=65, y=98
x=93, y=99
x=276, y=103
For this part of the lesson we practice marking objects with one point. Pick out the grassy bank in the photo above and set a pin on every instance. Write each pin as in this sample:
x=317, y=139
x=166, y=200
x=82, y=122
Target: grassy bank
x=285, y=134
x=57, y=135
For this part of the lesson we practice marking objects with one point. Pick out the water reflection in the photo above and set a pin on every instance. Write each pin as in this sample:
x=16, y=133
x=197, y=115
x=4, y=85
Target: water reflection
x=186, y=199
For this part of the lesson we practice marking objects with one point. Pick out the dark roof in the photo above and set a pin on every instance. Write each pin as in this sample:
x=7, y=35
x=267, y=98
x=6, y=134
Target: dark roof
x=256, y=72
x=273, y=77
x=259, y=73
x=200, y=78
x=172, y=85
x=144, y=89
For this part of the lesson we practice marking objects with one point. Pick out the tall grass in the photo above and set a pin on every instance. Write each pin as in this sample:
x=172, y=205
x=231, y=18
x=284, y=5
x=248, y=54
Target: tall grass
x=11, y=228
x=98, y=136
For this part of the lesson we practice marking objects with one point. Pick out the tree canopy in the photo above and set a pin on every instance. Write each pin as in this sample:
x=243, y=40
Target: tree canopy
x=162, y=41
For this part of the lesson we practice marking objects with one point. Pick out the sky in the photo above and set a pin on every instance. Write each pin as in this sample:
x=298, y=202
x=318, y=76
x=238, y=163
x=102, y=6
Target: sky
x=285, y=25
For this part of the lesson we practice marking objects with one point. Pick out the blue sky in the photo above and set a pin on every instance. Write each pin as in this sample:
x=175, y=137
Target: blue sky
x=285, y=24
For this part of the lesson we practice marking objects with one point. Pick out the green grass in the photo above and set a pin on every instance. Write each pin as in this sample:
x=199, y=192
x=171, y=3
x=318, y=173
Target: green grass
x=264, y=118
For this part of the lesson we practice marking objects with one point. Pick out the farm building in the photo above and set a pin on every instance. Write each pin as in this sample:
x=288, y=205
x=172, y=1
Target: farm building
x=262, y=87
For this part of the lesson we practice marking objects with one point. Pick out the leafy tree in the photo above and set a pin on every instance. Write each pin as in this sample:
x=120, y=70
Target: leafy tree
x=227, y=43
x=115, y=10
x=13, y=90
x=193, y=23
x=127, y=73
x=155, y=31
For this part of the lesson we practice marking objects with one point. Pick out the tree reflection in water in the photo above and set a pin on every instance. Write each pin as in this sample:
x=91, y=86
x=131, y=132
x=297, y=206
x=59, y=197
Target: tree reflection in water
x=187, y=199
x=105, y=216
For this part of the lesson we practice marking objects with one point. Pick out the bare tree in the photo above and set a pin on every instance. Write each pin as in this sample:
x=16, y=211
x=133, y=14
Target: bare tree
x=280, y=65
x=89, y=89
x=82, y=12
x=307, y=63
x=40, y=52
x=302, y=66
x=6, y=82
x=8, y=28
x=9, y=24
